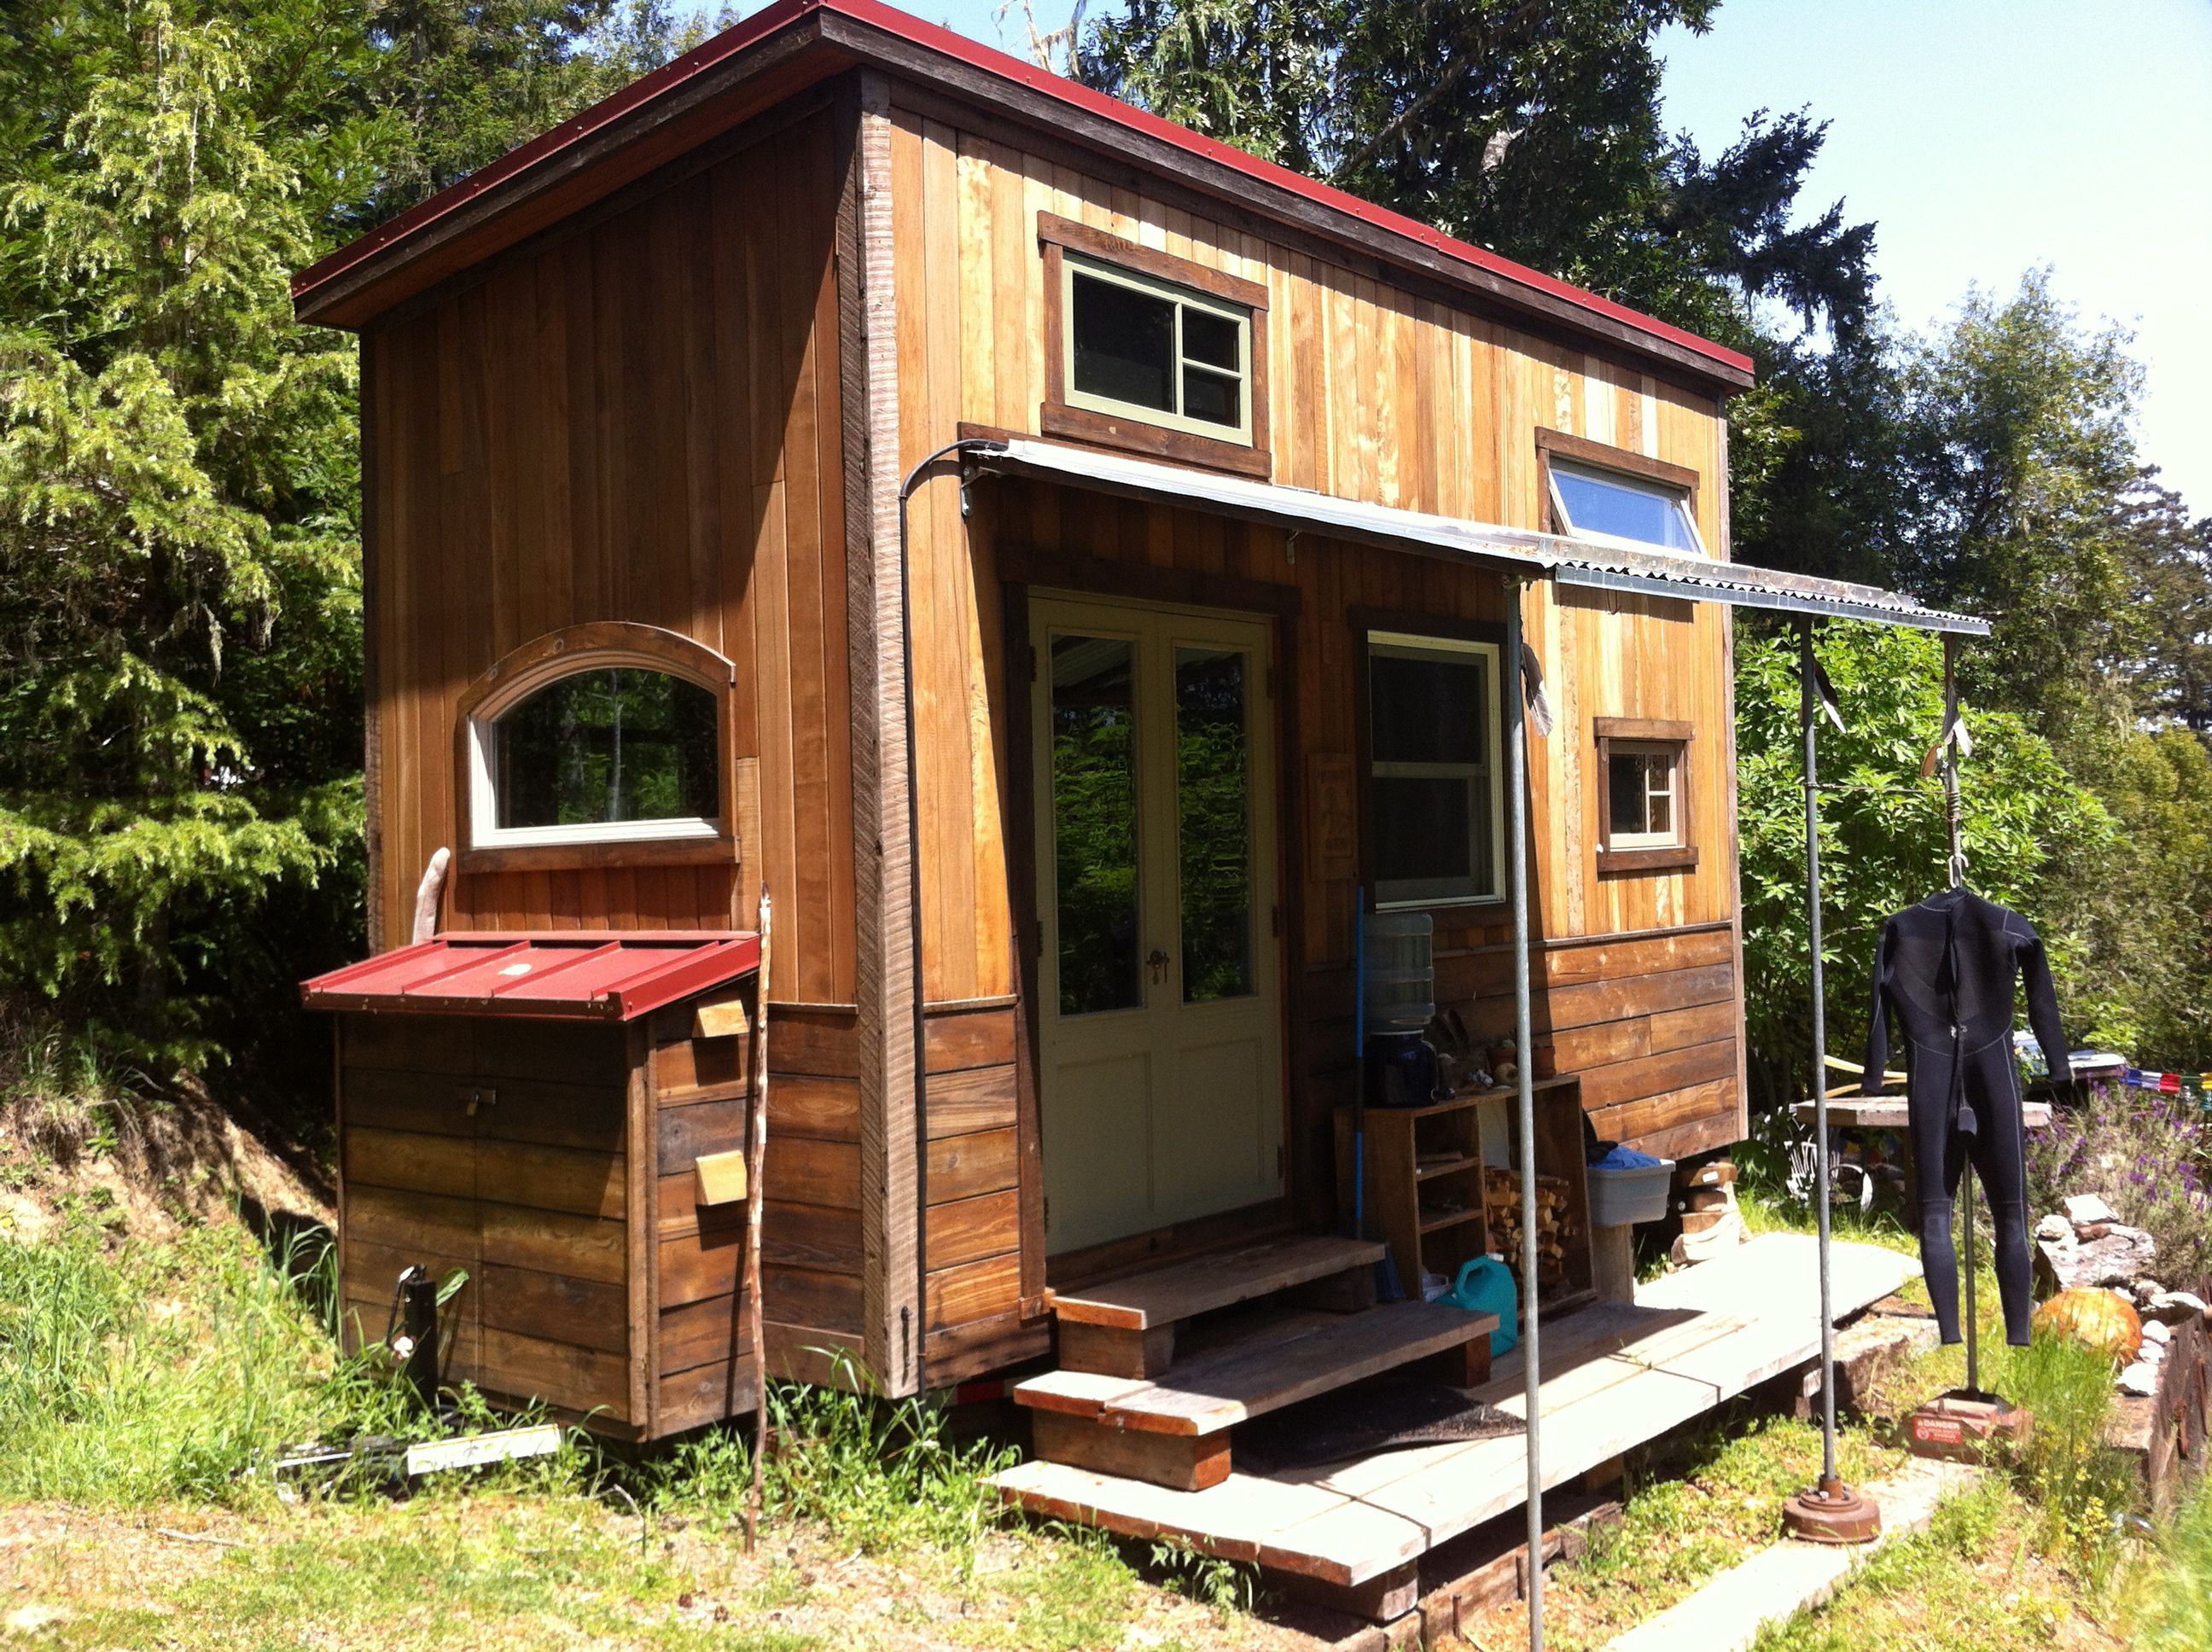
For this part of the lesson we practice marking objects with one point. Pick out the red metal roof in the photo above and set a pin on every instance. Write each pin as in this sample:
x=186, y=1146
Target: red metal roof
x=569, y=975
x=544, y=150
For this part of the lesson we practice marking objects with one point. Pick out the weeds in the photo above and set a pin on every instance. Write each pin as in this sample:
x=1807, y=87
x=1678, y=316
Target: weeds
x=147, y=1372
x=1222, y=1586
x=2074, y=1482
x=880, y=1474
x=2171, y=1607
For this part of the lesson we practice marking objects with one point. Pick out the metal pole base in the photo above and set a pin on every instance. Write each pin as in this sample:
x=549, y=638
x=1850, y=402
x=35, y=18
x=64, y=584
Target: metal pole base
x=1832, y=1512
x=1960, y=1425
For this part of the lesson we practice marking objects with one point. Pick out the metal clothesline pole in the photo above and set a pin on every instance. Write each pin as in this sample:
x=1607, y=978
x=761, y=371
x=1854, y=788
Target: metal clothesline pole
x=1957, y=866
x=1829, y=1511
x=1516, y=850
x=1809, y=714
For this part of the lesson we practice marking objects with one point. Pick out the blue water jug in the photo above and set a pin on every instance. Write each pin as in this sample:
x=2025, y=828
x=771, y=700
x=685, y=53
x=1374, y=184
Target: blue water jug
x=1485, y=1286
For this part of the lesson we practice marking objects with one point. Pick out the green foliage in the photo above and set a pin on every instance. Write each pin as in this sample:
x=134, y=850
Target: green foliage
x=2149, y=1155
x=880, y=1475
x=1535, y=128
x=130, y=1375
x=2076, y=1483
x=180, y=832
x=2171, y=1610
x=1883, y=845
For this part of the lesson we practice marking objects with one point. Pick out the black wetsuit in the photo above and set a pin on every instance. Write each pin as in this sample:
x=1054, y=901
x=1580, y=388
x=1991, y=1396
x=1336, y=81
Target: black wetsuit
x=1945, y=969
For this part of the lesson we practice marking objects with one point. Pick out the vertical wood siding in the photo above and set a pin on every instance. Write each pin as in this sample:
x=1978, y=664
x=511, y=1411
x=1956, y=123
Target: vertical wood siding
x=637, y=421
x=1375, y=394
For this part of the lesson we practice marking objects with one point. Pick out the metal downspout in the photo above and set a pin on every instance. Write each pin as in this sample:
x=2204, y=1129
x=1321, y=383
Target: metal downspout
x=1517, y=851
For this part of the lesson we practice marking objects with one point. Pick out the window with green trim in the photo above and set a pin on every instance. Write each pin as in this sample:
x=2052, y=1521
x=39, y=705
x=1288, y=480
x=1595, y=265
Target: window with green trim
x=1150, y=349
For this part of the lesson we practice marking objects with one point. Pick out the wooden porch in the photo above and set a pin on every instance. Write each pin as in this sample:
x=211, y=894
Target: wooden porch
x=1615, y=1375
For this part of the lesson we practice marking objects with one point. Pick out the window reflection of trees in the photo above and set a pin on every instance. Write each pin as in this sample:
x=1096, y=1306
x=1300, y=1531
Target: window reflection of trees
x=1214, y=824
x=616, y=745
x=1094, y=802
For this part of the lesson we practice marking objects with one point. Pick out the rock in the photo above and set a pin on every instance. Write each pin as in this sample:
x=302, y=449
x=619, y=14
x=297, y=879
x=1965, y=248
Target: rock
x=2151, y=1353
x=2054, y=1226
x=2147, y=1290
x=2154, y=1335
x=2140, y=1379
x=2175, y=1307
x=2086, y=1231
x=2088, y=1207
x=2119, y=1258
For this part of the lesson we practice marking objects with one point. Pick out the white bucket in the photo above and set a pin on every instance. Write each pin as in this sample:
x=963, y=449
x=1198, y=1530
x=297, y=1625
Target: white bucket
x=1620, y=1198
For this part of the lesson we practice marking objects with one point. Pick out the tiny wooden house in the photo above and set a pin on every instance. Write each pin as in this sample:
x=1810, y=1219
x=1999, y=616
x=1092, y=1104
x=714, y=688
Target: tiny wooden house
x=1068, y=563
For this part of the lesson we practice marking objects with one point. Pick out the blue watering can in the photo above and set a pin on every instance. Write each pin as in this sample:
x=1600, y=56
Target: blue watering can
x=1485, y=1286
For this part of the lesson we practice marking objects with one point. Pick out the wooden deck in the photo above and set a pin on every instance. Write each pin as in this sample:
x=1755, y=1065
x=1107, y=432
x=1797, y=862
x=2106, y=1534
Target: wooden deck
x=1615, y=1376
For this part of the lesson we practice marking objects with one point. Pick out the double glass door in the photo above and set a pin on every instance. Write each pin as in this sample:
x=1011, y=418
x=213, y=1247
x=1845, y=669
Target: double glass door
x=1161, y=1088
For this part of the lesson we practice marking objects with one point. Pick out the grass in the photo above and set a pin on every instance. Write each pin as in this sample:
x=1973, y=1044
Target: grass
x=144, y=1384
x=137, y=1372
x=2169, y=1608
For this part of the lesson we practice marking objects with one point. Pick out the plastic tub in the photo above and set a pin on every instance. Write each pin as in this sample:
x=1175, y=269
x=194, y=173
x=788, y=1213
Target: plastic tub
x=1620, y=1198
x=1401, y=971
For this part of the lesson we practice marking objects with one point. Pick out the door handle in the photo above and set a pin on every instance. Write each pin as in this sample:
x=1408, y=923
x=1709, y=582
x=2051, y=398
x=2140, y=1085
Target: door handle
x=1156, y=961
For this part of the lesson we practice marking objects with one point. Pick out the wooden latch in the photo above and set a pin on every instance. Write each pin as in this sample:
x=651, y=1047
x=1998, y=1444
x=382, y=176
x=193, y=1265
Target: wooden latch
x=721, y=1176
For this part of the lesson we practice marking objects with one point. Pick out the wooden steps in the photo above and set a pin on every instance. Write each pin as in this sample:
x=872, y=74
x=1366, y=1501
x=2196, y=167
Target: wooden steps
x=1262, y=1336
x=1281, y=1360
x=1219, y=1278
x=1127, y=1328
x=1615, y=1376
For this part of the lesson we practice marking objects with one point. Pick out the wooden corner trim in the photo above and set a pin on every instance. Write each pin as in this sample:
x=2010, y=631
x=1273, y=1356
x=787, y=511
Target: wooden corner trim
x=1643, y=728
x=1056, y=231
x=1606, y=456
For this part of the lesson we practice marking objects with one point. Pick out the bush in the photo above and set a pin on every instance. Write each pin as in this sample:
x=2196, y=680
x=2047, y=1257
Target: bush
x=2076, y=1483
x=2149, y=1155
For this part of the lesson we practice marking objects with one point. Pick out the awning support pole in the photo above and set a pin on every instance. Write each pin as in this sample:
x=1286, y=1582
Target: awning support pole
x=1516, y=854
x=1830, y=1511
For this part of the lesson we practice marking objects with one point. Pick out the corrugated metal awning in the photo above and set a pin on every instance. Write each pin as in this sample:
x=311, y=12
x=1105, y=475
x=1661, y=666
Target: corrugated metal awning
x=565, y=975
x=1571, y=561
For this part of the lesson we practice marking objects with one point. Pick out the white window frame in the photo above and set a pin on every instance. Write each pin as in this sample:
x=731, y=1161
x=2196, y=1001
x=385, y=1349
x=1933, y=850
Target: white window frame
x=1678, y=497
x=484, y=830
x=1456, y=650
x=1180, y=299
x=1672, y=837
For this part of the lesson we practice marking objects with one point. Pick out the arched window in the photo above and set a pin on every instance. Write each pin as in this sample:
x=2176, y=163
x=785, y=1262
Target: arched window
x=601, y=734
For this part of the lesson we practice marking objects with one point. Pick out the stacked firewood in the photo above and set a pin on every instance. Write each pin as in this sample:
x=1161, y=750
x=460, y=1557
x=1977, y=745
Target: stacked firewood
x=1555, y=1223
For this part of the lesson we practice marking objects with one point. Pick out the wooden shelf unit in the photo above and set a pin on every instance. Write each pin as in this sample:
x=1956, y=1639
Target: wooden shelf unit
x=1433, y=1215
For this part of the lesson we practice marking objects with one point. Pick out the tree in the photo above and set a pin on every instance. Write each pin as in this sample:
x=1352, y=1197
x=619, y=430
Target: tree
x=1531, y=126
x=179, y=608
x=2027, y=828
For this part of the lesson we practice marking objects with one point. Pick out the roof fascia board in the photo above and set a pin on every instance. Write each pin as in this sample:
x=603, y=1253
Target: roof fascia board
x=777, y=57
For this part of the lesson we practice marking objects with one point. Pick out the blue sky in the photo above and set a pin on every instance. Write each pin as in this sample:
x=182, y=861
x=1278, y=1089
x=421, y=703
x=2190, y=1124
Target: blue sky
x=1983, y=138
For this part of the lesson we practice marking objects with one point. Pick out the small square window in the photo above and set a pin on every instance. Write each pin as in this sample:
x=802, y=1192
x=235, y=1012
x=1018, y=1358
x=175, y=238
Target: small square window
x=1640, y=794
x=1644, y=799
x=1146, y=348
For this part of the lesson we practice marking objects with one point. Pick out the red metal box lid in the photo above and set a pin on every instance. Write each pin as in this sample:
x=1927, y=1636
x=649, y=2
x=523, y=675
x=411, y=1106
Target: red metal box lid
x=569, y=975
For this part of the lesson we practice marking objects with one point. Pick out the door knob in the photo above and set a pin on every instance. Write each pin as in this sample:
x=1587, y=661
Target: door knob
x=1156, y=961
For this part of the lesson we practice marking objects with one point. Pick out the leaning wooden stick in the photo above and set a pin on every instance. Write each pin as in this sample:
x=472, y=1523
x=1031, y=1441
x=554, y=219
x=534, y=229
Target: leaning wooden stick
x=756, y=1156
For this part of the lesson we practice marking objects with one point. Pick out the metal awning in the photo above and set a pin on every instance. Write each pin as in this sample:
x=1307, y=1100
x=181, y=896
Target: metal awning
x=1571, y=561
x=565, y=975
